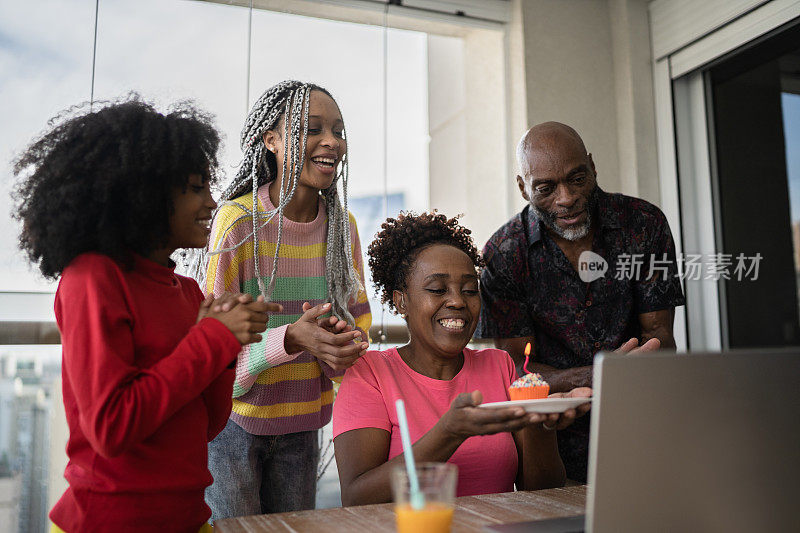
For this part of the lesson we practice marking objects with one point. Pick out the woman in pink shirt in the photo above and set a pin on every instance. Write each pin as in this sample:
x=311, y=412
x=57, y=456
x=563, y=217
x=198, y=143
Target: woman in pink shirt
x=426, y=266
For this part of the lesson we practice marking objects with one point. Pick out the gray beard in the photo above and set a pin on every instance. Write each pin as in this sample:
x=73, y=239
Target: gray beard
x=574, y=234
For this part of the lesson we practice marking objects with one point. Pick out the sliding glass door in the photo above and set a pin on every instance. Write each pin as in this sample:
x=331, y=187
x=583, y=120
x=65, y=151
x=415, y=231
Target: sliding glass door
x=754, y=125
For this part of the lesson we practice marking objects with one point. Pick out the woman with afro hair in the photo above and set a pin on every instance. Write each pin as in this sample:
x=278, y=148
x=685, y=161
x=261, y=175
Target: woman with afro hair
x=425, y=267
x=106, y=196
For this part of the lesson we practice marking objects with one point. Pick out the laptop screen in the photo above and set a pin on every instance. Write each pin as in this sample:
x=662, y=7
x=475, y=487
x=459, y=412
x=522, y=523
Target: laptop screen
x=695, y=442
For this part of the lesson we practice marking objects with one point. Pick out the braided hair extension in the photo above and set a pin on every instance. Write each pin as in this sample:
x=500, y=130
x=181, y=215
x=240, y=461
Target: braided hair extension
x=289, y=100
x=401, y=239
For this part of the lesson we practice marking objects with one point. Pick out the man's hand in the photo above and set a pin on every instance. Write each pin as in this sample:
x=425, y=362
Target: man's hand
x=562, y=420
x=632, y=346
x=338, y=350
x=658, y=325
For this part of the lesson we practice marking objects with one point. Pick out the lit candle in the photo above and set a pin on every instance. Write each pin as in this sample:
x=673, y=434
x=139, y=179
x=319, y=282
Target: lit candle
x=527, y=355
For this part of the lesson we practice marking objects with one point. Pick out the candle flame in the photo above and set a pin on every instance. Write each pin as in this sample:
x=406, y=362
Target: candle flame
x=527, y=349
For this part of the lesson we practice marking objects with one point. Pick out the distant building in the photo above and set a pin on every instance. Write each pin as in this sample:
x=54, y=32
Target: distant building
x=59, y=435
x=796, y=244
x=8, y=419
x=10, y=489
x=25, y=405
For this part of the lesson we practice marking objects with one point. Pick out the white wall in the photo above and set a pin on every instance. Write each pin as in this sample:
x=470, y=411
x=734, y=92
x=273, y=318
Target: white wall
x=468, y=151
x=633, y=81
x=570, y=75
x=587, y=64
x=447, y=123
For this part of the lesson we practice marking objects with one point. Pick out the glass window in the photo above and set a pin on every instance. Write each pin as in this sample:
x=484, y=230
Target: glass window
x=46, y=61
x=348, y=60
x=168, y=51
x=755, y=98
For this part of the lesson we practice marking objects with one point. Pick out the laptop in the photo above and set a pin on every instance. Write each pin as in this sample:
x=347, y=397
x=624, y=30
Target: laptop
x=704, y=442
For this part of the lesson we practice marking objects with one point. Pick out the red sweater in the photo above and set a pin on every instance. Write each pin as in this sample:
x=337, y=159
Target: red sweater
x=145, y=389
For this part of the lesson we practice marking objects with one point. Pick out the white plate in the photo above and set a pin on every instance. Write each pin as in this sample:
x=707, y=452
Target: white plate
x=543, y=405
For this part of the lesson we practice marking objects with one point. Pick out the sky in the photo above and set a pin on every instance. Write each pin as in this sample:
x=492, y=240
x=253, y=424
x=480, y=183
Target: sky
x=791, y=130
x=169, y=50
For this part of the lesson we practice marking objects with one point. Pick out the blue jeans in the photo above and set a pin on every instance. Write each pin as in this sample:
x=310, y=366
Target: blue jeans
x=257, y=474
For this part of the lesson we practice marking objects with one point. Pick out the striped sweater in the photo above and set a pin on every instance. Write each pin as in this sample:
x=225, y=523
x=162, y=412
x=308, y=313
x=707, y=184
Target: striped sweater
x=276, y=392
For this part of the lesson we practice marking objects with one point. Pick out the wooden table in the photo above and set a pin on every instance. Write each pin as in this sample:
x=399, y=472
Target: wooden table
x=472, y=513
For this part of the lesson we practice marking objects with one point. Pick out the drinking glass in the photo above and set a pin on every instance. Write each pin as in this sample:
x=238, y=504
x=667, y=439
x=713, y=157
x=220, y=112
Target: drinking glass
x=437, y=482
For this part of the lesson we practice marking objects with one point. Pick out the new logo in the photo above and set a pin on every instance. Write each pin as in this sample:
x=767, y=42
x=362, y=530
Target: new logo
x=591, y=266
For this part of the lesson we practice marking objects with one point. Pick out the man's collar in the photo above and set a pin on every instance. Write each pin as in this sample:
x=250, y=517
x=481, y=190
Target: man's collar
x=606, y=218
x=534, y=225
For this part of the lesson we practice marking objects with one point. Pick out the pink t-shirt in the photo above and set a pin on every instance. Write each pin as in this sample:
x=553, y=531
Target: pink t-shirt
x=366, y=398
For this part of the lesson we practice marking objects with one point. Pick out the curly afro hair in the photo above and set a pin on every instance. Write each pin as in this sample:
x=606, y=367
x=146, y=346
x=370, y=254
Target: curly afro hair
x=400, y=241
x=103, y=180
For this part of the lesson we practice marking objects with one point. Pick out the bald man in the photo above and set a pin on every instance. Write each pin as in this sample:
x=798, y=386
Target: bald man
x=577, y=271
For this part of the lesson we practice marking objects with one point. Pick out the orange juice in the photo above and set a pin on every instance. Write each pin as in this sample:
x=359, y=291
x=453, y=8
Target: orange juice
x=433, y=518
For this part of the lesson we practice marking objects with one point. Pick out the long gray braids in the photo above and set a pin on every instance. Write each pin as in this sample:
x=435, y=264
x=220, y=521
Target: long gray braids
x=288, y=100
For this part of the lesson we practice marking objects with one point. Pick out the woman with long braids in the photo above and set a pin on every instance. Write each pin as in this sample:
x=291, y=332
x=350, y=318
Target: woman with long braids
x=283, y=232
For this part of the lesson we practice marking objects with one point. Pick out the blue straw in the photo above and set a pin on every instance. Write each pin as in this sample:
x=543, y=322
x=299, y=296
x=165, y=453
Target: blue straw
x=416, y=497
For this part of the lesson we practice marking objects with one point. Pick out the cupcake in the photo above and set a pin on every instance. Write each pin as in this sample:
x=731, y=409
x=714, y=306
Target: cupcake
x=531, y=386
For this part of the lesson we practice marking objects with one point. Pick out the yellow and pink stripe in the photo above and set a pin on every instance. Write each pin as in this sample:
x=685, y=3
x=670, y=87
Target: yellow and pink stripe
x=276, y=392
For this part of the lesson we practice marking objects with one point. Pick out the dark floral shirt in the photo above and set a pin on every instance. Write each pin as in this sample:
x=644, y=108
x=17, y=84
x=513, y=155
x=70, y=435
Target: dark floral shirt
x=530, y=289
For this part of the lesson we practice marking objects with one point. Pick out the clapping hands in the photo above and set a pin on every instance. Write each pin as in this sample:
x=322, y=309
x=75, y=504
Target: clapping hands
x=330, y=339
x=244, y=317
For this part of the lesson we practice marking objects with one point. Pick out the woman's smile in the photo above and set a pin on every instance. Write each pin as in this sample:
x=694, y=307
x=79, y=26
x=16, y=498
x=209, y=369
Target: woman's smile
x=326, y=165
x=441, y=301
x=452, y=324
